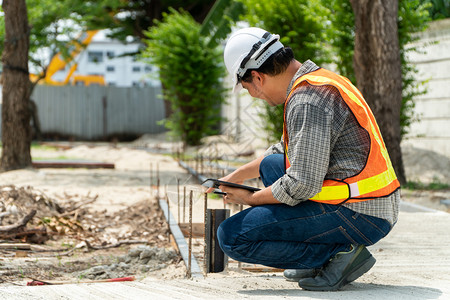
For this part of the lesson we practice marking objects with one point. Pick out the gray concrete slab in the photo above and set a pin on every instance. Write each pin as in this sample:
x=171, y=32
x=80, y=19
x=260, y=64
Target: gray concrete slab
x=413, y=262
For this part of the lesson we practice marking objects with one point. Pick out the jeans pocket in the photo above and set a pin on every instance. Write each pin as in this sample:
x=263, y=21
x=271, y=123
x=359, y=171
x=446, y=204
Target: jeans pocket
x=364, y=229
x=336, y=235
x=380, y=225
x=370, y=229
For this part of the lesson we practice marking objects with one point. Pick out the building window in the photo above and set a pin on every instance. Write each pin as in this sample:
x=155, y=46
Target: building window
x=148, y=69
x=136, y=69
x=110, y=69
x=110, y=54
x=95, y=56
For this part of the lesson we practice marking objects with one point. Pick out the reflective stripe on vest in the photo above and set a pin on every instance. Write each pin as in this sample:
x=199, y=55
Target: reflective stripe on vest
x=377, y=179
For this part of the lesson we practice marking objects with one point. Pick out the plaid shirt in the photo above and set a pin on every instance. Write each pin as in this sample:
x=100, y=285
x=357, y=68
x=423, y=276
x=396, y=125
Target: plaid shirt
x=325, y=140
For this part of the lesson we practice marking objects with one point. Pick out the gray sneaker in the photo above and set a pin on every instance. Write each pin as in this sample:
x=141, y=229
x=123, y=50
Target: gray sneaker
x=344, y=268
x=297, y=274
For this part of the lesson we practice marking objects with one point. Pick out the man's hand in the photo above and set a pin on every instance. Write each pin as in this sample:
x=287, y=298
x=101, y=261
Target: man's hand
x=229, y=178
x=236, y=196
x=247, y=171
x=241, y=196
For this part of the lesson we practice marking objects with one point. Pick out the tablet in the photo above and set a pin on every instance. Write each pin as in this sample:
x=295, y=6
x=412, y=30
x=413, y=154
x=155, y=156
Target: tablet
x=215, y=183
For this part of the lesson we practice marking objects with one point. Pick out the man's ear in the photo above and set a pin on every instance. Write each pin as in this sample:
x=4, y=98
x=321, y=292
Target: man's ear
x=258, y=77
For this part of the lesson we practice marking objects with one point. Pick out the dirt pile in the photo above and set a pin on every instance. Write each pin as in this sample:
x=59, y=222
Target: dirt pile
x=15, y=202
x=98, y=239
x=72, y=217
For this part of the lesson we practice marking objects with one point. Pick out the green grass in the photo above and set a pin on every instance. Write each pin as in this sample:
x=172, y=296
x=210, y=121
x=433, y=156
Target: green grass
x=38, y=146
x=61, y=157
x=435, y=185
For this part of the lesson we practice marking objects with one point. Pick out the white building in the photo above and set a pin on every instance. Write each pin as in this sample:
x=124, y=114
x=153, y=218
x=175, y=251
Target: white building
x=108, y=58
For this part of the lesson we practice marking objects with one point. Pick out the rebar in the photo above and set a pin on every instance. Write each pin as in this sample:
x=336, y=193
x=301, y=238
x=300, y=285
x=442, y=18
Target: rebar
x=190, y=235
x=184, y=204
x=205, y=259
x=239, y=262
x=178, y=198
x=158, y=180
x=151, y=176
x=168, y=215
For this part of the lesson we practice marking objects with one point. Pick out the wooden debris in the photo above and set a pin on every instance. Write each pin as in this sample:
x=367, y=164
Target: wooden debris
x=63, y=226
x=9, y=229
x=198, y=229
x=14, y=231
x=72, y=164
x=77, y=208
x=67, y=253
x=262, y=269
x=74, y=219
x=36, y=282
x=35, y=235
x=118, y=244
x=15, y=246
x=21, y=253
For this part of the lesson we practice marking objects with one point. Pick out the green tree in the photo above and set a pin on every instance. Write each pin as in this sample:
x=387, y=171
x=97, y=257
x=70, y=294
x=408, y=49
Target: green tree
x=439, y=9
x=217, y=24
x=378, y=70
x=302, y=25
x=133, y=17
x=191, y=74
x=412, y=18
x=342, y=37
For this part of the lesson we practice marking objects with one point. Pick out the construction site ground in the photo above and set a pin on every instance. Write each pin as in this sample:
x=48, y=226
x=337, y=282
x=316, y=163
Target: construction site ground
x=413, y=261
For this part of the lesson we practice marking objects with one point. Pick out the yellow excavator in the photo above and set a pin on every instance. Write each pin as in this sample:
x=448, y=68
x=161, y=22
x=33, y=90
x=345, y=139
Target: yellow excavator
x=58, y=62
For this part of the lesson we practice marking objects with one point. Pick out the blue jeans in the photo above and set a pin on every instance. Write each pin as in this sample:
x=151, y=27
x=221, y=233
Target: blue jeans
x=304, y=236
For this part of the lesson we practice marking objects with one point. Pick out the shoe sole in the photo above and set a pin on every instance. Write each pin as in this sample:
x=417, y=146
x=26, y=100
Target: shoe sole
x=358, y=272
x=293, y=279
x=305, y=275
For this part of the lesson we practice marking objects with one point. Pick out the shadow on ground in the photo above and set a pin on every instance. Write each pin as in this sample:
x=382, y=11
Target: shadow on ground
x=354, y=290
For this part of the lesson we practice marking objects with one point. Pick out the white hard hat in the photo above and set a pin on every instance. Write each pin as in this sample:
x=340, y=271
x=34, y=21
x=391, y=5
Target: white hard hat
x=248, y=48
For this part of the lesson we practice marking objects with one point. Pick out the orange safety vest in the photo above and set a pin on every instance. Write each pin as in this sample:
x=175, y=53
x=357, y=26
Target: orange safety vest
x=377, y=178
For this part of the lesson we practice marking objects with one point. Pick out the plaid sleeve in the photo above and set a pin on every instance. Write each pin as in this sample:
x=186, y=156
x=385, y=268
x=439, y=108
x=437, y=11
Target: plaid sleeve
x=275, y=149
x=309, y=126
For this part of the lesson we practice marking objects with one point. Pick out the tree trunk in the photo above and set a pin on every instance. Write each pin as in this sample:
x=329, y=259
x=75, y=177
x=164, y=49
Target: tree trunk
x=16, y=131
x=378, y=69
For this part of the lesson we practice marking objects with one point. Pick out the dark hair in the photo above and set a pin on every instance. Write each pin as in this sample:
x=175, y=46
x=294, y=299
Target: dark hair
x=274, y=65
